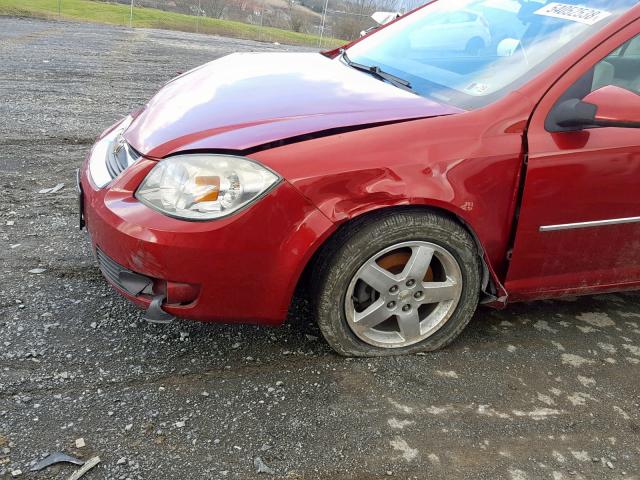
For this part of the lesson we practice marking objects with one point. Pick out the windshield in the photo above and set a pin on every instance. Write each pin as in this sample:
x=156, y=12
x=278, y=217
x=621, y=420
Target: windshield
x=469, y=53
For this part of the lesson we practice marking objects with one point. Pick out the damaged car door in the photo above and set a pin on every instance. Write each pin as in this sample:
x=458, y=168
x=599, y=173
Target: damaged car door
x=579, y=225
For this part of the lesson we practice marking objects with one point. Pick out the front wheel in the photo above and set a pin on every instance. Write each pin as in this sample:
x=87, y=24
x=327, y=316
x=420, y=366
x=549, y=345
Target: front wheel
x=397, y=283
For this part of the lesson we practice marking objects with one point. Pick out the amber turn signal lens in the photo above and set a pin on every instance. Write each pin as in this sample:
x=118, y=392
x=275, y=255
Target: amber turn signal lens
x=213, y=183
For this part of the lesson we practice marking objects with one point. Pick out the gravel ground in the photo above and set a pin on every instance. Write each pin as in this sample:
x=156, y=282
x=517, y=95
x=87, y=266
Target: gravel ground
x=545, y=390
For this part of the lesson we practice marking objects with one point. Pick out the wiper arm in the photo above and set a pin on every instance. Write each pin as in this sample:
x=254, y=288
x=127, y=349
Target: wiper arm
x=377, y=72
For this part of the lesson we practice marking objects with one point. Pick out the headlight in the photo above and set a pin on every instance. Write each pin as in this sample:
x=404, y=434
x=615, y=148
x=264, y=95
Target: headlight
x=204, y=187
x=111, y=155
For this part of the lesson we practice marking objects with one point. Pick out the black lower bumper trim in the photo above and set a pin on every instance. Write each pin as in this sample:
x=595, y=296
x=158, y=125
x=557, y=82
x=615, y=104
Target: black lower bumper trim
x=136, y=284
x=155, y=314
x=131, y=282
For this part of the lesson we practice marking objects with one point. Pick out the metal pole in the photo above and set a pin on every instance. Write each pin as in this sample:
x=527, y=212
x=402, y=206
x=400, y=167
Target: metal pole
x=262, y=20
x=198, y=18
x=131, y=15
x=324, y=16
x=59, y=9
x=262, y=13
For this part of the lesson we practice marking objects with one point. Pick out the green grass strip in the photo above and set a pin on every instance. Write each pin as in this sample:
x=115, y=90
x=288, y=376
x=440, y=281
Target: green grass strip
x=118, y=14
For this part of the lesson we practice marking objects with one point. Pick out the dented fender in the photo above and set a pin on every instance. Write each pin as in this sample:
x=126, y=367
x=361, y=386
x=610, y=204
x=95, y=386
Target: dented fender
x=448, y=162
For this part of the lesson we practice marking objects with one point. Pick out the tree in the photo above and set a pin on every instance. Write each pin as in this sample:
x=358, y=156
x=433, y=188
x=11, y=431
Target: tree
x=353, y=16
x=214, y=8
x=297, y=19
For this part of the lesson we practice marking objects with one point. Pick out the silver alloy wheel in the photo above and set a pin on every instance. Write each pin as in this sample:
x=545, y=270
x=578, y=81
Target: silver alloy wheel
x=403, y=294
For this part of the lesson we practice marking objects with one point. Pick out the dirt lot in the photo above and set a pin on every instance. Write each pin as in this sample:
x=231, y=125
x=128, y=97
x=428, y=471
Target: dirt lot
x=546, y=390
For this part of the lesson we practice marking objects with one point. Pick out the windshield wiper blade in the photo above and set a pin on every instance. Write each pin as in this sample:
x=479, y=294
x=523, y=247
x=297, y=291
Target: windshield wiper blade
x=378, y=72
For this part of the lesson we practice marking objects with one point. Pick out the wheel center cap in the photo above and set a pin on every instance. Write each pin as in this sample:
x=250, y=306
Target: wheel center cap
x=404, y=294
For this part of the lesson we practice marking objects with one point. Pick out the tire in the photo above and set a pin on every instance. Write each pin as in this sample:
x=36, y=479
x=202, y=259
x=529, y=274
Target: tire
x=348, y=258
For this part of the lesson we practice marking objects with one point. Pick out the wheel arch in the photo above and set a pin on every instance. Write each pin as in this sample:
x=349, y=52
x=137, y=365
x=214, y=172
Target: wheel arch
x=493, y=292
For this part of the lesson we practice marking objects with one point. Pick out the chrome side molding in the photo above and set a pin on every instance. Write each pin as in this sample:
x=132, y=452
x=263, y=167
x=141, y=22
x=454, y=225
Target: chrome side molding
x=596, y=223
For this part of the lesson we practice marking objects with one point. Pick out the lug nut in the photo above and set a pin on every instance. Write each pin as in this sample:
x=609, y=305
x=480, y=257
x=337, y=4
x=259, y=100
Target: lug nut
x=418, y=295
x=411, y=283
x=406, y=308
x=393, y=289
x=391, y=305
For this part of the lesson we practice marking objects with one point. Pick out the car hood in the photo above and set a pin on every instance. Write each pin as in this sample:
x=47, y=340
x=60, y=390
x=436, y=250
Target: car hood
x=242, y=101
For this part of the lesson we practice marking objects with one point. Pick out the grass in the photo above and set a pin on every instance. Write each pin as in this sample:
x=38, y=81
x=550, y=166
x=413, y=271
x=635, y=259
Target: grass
x=118, y=14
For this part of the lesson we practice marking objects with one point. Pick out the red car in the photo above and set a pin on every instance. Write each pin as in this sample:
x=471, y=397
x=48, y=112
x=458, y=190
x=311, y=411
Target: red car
x=404, y=183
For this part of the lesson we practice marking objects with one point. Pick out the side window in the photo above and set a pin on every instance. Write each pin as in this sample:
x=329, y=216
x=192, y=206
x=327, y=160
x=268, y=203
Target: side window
x=632, y=49
x=621, y=68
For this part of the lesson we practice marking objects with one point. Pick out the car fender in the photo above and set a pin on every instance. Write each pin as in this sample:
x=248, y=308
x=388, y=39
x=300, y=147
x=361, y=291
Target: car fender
x=457, y=163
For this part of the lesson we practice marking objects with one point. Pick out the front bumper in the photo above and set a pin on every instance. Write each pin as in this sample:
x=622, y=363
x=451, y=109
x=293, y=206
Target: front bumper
x=242, y=268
